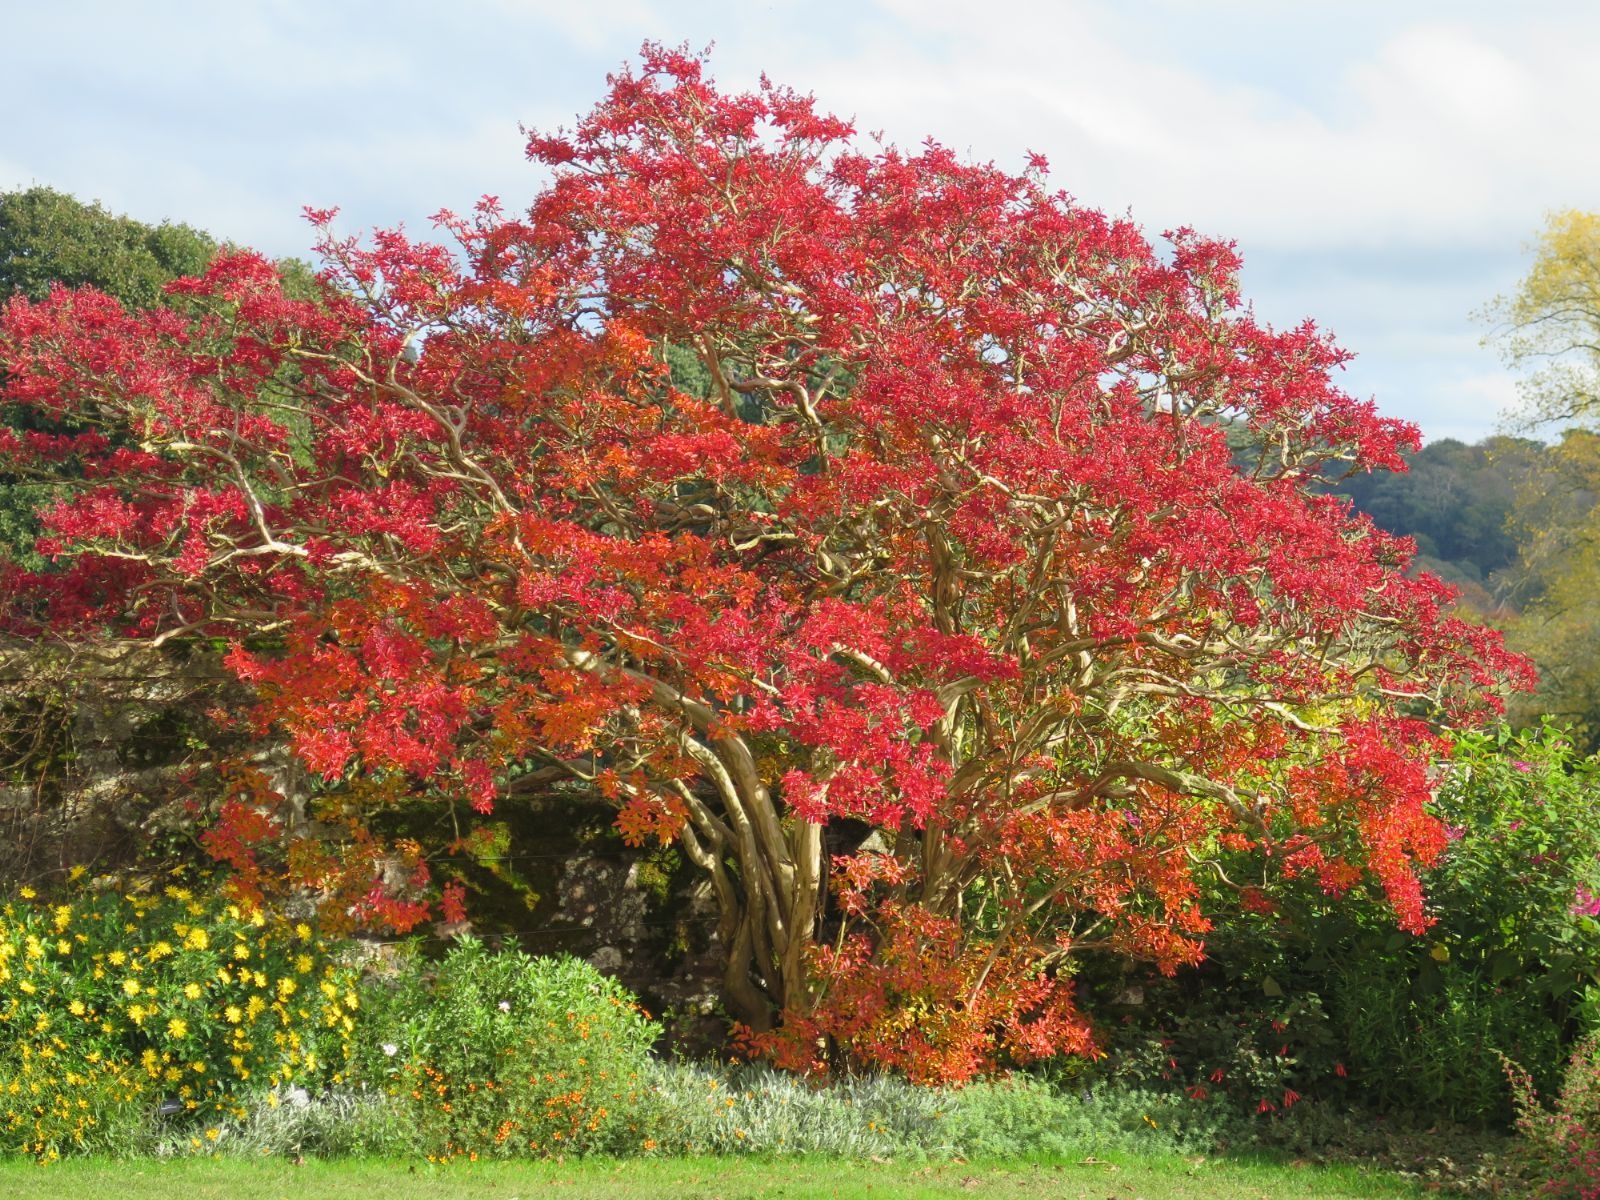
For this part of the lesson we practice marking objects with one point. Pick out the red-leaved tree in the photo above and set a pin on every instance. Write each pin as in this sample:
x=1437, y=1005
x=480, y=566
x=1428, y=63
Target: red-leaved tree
x=963, y=598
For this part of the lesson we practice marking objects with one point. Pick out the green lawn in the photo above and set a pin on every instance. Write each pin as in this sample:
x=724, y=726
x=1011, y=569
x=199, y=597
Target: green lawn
x=691, y=1179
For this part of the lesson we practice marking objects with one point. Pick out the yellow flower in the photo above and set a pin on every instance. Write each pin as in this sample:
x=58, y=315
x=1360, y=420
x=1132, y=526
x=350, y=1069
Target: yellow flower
x=116, y=958
x=196, y=939
x=63, y=916
x=302, y=964
x=213, y=1134
x=285, y=986
x=27, y=893
x=192, y=990
x=241, y=951
x=63, y=946
x=77, y=873
x=77, y=1008
x=177, y=1027
x=233, y=1014
x=303, y=932
x=28, y=987
x=130, y=986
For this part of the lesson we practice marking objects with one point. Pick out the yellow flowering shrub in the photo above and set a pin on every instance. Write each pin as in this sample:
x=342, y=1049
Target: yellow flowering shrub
x=115, y=1008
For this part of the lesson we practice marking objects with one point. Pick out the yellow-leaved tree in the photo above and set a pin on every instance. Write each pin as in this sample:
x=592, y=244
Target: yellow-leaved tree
x=1548, y=331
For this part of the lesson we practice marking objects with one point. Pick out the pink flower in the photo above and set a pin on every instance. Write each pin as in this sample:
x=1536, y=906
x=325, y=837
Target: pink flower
x=1519, y=765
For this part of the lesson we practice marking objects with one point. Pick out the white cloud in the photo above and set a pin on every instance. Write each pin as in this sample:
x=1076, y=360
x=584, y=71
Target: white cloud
x=1378, y=162
x=589, y=27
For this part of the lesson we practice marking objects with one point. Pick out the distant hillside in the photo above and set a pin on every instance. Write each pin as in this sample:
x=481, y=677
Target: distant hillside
x=1456, y=501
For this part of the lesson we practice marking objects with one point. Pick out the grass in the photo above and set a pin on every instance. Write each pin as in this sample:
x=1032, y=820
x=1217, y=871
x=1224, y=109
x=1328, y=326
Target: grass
x=692, y=1179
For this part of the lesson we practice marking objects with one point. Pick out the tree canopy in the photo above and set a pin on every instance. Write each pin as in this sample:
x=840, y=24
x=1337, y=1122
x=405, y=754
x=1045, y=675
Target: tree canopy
x=1549, y=329
x=48, y=239
x=52, y=239
x=942, y=629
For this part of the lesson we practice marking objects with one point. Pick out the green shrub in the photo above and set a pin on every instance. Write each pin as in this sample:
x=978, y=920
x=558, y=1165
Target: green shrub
x=1508, y=967
x=1324, y=998
x=497, y=1053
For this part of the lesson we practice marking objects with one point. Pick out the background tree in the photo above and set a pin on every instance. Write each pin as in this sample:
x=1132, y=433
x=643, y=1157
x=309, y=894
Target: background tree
x=944, y=632
x=49, y=238
x=1549, y=329
x=1558, y=524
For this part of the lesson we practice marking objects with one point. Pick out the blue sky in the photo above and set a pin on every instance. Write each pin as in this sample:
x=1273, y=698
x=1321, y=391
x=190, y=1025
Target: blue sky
x=1382, y=165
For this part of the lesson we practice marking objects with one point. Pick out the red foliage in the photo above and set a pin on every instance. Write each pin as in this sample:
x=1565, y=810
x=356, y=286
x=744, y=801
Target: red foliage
x=993, y=531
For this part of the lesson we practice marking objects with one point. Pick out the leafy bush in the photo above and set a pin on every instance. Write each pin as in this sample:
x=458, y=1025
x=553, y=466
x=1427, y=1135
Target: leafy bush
x=1508, y=966
x=499, y=1053
x=1258, y=1053
x=1306, y=996
x=1559, y=1148
x=111, y=1006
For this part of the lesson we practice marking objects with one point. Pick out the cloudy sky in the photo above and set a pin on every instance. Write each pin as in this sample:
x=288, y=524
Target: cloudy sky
x=1382, y=165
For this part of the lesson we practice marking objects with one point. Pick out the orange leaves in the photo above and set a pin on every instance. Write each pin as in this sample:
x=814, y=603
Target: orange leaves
x=644, y=815
x=931, y=1002
x=570, y=724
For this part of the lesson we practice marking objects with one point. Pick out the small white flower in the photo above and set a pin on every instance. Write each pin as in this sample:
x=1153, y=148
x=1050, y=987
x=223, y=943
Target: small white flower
x=505, y=1006
x=390, y=1049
